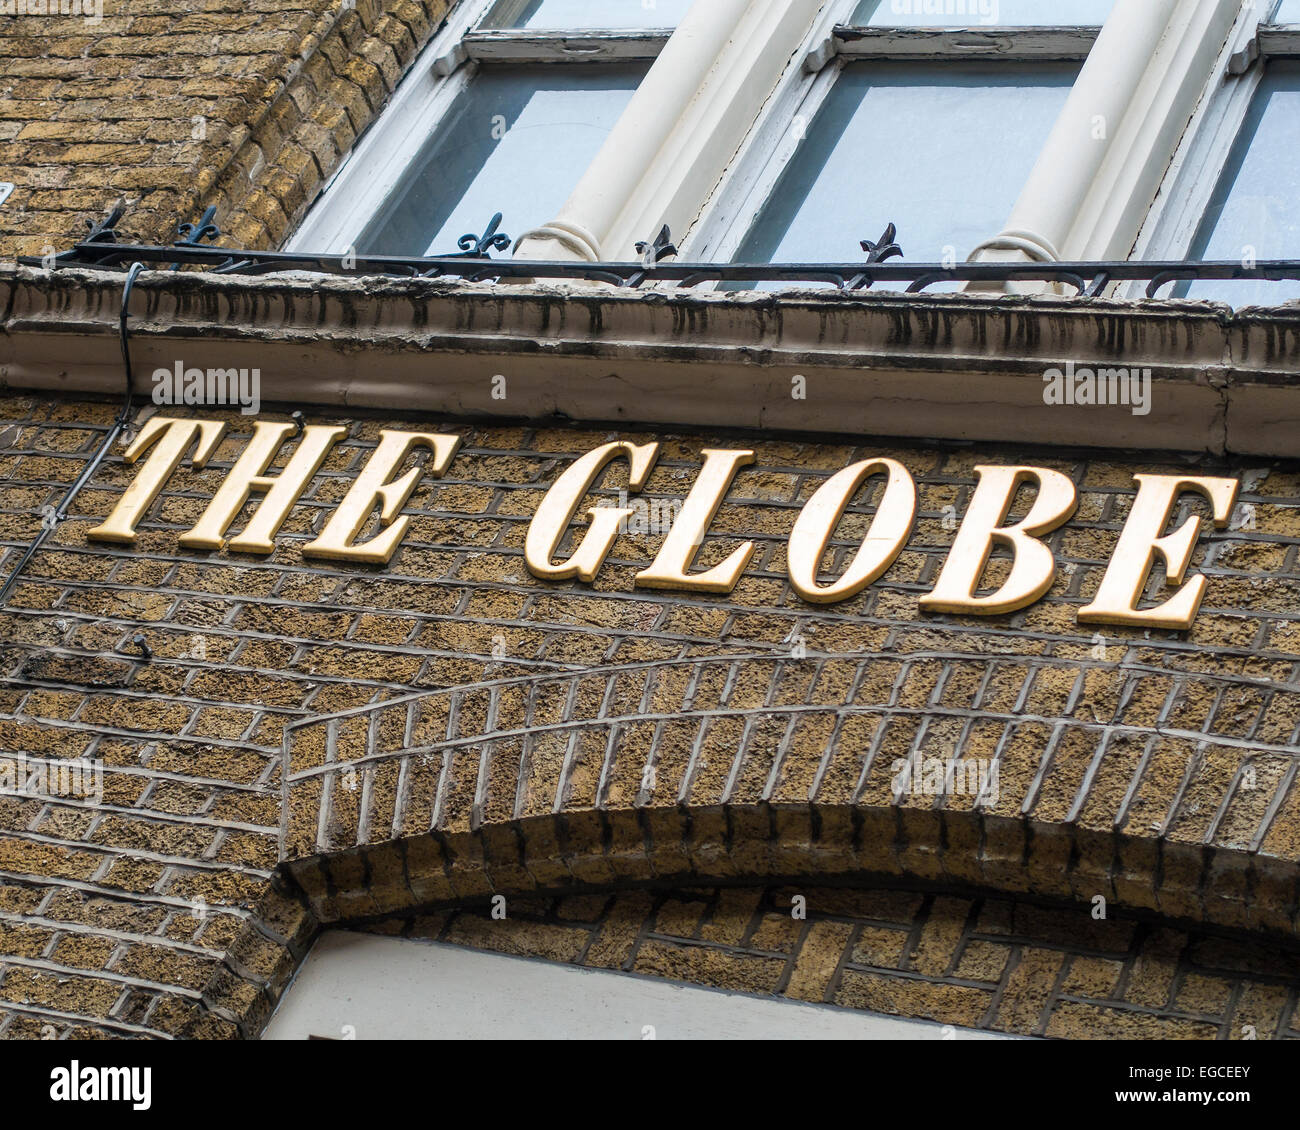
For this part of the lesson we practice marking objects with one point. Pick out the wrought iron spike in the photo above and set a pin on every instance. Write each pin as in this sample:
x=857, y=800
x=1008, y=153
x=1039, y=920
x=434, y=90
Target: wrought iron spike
x=481, y=246
x=104, y=231
x=662, y=248
x=884, y=248
x=192, y=235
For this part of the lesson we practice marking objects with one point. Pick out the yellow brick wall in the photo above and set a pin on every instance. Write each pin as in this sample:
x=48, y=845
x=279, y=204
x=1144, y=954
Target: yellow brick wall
x=1158, y=772
x=175, y=106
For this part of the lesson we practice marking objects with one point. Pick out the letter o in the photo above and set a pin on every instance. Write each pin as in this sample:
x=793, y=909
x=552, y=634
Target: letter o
x=888, y=533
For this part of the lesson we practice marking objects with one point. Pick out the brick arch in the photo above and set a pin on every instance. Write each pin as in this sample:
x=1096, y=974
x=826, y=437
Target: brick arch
x=755, y=767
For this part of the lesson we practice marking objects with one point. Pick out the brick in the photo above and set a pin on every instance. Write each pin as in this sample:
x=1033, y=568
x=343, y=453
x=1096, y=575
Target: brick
x=80, y=670
x=1029, y=984
x=946, y=1004
x=737, y=972
x=817, y=959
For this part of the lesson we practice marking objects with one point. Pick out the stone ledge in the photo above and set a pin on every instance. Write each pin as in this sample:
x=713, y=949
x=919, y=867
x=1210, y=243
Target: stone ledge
x=941, y=366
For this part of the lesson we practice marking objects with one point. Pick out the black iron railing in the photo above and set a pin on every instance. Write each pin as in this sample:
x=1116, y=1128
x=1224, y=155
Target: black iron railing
x=101, y=251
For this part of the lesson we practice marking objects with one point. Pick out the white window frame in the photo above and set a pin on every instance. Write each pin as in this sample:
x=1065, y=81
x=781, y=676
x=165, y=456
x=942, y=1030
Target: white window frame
x=1180, y=209
x=441, y=74
x=714, y=160
x=727, y=216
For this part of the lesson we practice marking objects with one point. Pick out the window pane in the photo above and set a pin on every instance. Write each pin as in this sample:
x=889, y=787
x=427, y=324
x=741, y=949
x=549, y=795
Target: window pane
x=579, y=14
x=1255, y=210
x=987, y=13
x=1288, y=12
x=515, y=142
x=941, y=152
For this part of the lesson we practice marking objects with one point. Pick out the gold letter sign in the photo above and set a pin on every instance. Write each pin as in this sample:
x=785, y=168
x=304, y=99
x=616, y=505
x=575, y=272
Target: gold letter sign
x=885, y=537
x=372, y=486
x=668, y=571
x=248, y=475
x=173, y=438
x=1032, y=568
x=561, y=504
x=1130, y=567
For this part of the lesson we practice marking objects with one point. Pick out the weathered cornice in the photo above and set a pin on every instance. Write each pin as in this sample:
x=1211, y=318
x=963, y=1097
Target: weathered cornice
x=960, y=367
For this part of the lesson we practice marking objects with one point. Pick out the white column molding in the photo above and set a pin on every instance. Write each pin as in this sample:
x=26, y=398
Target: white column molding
x=679, y=131
x=1175, y=218
x=1095, y=180
x=1175, y=80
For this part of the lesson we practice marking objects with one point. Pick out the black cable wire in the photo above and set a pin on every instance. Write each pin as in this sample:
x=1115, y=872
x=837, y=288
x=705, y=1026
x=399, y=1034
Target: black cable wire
x=125, y=338
x=49, y=522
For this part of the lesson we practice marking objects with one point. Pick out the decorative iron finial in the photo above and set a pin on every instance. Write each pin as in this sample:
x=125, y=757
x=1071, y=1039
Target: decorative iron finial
x=480, y=246
x=103, y=231
x=884, y=248
x=192, y=235
x=662, y=248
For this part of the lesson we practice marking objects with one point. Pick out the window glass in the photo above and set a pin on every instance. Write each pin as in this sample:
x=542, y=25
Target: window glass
x=583, y=14
x=1255, y=210
x=1288, y=12
x=986, y=13
x=942, y=153
x=515, y=142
